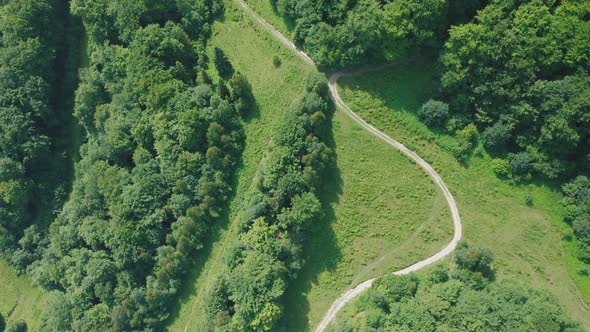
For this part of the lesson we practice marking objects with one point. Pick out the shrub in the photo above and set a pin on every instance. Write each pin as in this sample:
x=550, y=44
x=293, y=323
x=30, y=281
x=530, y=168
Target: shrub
x=501, y=167
x=276, y=61
x=529, y=200
x=520, y=164
x=496, y=136
x=434, y=113
x=469, y=133
x=584, y=271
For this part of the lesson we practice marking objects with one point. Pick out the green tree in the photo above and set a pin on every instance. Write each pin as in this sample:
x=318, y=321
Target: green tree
x=434, y=113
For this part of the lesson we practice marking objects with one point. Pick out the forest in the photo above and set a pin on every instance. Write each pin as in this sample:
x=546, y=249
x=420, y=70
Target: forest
x=464, y=298
x=155, y=164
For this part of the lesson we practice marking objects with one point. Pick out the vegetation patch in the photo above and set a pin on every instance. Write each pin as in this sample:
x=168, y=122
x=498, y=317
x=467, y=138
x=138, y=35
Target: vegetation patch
x=466, y=298
x=526, y=240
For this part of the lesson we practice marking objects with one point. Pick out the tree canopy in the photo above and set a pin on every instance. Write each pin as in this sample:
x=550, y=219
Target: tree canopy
x=155, y=168
x=460, y=300
x=277, y=215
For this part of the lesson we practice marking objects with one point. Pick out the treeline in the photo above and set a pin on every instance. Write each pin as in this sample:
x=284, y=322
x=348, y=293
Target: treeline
x=155, y=169
x=277, y=214
x=464, y=299
x=344, y=33
x=577, y=204
x=33, y=161
x=519, y=72
x=517, y=78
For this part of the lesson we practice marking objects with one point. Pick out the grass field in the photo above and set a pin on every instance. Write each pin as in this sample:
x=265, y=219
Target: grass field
x=382, y=211
x=527, y=241
x=19, y=299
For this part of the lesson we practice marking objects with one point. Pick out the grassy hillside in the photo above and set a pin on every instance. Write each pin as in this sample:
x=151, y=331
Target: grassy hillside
x=527, y=240
x=19, y=299
x=382, y=210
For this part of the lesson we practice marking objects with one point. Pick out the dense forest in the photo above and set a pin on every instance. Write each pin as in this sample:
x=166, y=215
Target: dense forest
x=155, y=165
x=352, y=32
x=34, y=123
x=278, y=212
x=464, y=299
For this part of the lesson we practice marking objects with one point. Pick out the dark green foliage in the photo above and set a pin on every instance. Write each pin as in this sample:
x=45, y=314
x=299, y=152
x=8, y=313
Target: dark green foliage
x=346, y=33
x=520, y=164
x=277, y=215
x=457, y=303
x=154, y=172
x=474, y=258
x=434, y=113
x=34, y=162
x=577, y=200
x=496, y=137
x=2, y=322
x=521, y=71
x=17, y=326
x=276, y=61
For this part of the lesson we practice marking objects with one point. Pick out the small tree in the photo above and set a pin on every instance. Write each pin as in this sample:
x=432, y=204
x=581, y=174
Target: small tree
x=241, y=93
x=496, y=136
x=2, y=323
x=434, y=113
x=474, y=258
x=520, y=164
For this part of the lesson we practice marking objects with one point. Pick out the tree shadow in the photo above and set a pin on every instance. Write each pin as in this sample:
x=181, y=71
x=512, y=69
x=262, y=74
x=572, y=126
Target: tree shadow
x=321, y=252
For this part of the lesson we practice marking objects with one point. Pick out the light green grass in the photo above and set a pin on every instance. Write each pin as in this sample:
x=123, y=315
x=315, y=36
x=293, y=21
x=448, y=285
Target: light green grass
x=265, y=9
x=19, y=299
x=382, y=211
x=527, y=241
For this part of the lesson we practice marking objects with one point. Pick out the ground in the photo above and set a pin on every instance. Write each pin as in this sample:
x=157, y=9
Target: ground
x=19, y=299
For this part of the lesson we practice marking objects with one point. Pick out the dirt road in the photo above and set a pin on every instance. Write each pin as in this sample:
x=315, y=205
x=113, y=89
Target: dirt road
x=350, y=294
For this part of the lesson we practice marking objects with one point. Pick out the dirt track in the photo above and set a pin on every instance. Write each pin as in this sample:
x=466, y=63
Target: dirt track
x=350, y=294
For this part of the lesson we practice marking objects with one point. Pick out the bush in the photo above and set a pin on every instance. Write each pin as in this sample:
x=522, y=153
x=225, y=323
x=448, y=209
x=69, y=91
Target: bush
x=584, y=271
x=469, y=133
x=529, y=200
x=276, y=61
x=474, y=258
x=434, y=113
x=520, y=164
x=496, y=136
x=18, y=326
x=2, y=322
x=501, y=167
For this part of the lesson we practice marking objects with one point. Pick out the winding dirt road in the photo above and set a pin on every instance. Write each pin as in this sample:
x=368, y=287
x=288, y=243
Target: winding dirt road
x=350, y=294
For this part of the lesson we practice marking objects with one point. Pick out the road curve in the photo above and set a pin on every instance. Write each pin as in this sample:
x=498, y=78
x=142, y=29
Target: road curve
x=350, y=294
